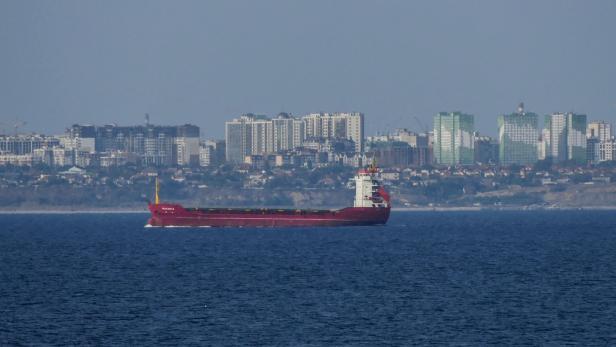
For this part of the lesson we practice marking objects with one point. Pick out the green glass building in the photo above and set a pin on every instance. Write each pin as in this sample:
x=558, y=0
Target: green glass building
x=576, y=137
x=518, y=135
x=453, y=138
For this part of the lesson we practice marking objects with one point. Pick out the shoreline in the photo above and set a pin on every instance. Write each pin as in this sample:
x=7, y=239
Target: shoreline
x=395, y=209
x=502, y=208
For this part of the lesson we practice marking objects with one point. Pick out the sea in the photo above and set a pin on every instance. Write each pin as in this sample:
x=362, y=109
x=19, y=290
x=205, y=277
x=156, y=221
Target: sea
x=427, y=278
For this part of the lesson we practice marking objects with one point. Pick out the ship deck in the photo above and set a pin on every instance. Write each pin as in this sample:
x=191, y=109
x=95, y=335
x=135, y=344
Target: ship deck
x=222, y=210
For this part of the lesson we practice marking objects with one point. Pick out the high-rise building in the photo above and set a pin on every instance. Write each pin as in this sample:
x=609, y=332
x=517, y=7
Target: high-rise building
x=238, y=138
x=543, y=144
x=262, y=136
x=81, y=138
x=355, y=129
x=593, y=153
x=403, y=135
x=153, y=145
x=566, y=137
x=518, y=135
x=187, y=145
x=212, y=152
x=392, y=153
x=313, y=125
x=453, y=138
x=556, y=140
x=156, y=144
x=347, y=125
x=421, y=147
x=599, y=142
x=606, y=150
x=389, y=148
x=602, y=130
x=298, y=133
x=26, y=144
x=576, y=137
x=282, y=132
x=486, y=149
x=259, y=135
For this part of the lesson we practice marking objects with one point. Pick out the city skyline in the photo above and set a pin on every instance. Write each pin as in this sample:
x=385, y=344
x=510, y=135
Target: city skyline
x=393, y=61
x=413, y=123
x=333, y=138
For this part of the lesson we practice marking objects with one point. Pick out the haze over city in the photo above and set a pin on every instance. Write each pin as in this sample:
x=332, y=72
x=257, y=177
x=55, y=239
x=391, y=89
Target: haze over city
x=67, y=62
x=307, y=172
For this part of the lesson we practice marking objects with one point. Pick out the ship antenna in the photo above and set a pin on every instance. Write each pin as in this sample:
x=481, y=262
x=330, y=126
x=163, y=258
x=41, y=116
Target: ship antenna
x=156, y=200
x=373, y=164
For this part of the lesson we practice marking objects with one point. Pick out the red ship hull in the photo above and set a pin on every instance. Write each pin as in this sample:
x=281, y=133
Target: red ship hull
x=173, y=215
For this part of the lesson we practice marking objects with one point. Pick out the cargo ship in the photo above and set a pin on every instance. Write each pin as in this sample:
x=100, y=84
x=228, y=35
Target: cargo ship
x=371, y=207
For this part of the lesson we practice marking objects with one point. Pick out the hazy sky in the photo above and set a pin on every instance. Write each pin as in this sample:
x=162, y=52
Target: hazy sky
x=203, y=62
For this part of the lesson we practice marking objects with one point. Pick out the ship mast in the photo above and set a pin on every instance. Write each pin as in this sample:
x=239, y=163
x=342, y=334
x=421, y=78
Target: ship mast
x=373, y=168
x=156, y=200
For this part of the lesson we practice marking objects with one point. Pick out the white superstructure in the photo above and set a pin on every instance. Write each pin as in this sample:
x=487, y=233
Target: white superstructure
x=368, y=190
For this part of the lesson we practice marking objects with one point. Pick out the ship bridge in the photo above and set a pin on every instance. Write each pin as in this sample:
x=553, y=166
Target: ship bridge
x=368, y=189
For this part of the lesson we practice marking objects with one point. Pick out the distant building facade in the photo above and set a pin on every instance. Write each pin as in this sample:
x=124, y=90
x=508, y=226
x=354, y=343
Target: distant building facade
x=26, y=144
x=565, y=135
x=601, y=130
x=606, y=150
x=453, y=138
x=518, y=135
x=556, y=140
x=486, y=149
x=258, y=135
x=593, y=153
x=391, y=149
x=391, y=153
x=212, y=152
x=152, y=145
x=542, y=145
x=599, y=142
x=576, y=137
x=238, y=137
x=347, y=125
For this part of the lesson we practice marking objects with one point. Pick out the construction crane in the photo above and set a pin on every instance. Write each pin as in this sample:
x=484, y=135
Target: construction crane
x=421, y=124
x=18, y=124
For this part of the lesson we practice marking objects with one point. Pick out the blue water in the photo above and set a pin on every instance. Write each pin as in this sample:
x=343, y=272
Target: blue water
x=455, y=278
